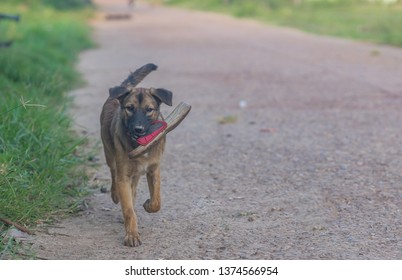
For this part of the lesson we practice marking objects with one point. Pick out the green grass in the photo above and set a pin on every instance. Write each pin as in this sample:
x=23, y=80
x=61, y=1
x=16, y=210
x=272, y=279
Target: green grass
x=38, y=151
x=352, y=19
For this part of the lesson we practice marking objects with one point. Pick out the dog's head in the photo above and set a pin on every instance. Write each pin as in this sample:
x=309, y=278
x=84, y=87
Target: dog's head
x=139, y=107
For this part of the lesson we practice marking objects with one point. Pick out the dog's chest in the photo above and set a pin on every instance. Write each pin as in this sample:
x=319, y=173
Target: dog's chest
x=140, y=165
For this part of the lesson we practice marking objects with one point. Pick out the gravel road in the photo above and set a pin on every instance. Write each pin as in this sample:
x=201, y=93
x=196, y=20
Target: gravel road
x=292, y=149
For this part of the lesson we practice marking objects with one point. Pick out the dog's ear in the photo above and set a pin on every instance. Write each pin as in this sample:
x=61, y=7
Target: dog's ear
x=162, y=95
x=118, y=93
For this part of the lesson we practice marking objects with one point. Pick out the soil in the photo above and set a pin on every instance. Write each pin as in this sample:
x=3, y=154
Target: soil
x=292, y=149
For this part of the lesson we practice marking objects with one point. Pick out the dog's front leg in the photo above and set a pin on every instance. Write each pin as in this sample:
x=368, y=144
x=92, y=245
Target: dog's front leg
x=125, y=193
x=154, y=184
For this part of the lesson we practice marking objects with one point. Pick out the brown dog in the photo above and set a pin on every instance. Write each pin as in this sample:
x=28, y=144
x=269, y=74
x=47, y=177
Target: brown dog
x=126, y=115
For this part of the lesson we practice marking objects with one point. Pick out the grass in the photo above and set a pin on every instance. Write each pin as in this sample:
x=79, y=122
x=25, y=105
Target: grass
x=362, y=20
x=38, y=151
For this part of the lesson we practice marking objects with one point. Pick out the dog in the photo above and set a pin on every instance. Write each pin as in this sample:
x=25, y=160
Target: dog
x=127, y=115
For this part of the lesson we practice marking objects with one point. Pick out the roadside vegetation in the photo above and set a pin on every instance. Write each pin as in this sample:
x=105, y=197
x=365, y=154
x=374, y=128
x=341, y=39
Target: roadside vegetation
x=38, y=157
x=376, y=21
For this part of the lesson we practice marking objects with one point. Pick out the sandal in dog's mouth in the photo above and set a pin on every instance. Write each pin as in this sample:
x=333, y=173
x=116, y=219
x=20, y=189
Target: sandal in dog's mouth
x=156, y=128
x=144, y=138
x=172, y=121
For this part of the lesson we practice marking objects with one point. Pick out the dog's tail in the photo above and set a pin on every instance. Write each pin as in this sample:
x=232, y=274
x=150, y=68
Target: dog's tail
x=138, y=75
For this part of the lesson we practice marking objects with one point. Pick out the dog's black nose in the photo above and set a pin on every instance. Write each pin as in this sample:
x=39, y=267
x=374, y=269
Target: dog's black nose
x=139, y=130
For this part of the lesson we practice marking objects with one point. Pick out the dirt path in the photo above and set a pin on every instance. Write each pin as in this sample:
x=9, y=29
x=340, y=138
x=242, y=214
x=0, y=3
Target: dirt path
x=292, y=149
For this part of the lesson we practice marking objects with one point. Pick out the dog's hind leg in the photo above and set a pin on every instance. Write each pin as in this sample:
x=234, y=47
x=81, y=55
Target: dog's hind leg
x=113, y=190
x=112, y=166
x=134, y=183
x=154, y=184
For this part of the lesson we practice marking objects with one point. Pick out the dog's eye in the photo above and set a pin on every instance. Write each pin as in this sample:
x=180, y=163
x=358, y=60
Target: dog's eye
x=149, y=110
x=130, y=108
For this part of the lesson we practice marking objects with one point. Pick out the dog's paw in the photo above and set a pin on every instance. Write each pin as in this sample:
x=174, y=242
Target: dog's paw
x=151, y=207
x=132, y=240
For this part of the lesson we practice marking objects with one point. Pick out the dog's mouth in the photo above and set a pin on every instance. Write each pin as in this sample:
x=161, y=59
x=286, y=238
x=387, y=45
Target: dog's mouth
x=135, y=135
x=138, y=131
x=145, y=136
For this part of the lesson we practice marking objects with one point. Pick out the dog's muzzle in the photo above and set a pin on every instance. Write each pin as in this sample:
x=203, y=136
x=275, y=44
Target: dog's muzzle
x=139, y=130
